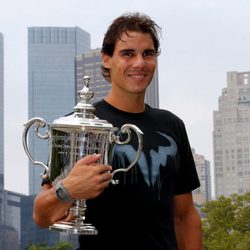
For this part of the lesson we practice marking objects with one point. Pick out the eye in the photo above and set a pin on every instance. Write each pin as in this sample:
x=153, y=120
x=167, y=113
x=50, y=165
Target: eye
x=127, y=53
x=149, y=53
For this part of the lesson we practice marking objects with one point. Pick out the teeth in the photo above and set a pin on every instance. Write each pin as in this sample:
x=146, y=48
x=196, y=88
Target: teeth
x=137, y=76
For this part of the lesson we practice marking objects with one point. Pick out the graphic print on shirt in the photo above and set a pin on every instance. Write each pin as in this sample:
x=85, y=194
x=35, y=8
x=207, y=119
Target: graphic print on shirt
x=150, y=169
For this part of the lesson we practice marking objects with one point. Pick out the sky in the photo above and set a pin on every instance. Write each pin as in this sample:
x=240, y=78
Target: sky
x=201, y=41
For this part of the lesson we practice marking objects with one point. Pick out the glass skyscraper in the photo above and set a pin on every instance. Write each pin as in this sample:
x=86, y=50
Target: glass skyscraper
x=1, y=141
x=51, y=83
x=1, y=133
x=89, y=64
x=9, y=216
x=1, y=104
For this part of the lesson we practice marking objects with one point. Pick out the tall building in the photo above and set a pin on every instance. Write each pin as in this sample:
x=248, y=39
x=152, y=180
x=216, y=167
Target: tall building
x=29, y=232
x=89, y=63
x=231, y=136
x=203, y=193
x=10, y=229
x=152, y=93
x=51, y=82
x=1, y=104
x=1, y=139
x=9, y=237
x=17, y=229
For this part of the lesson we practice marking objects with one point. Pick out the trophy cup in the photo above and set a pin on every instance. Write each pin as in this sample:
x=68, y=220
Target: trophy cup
x=70, y=139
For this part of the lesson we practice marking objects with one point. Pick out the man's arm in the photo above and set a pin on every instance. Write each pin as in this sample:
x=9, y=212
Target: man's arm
x=86, y=180
x=48, y=208
x=187, y=223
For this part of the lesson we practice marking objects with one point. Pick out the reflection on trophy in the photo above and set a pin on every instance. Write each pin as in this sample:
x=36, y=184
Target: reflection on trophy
x=70, y=139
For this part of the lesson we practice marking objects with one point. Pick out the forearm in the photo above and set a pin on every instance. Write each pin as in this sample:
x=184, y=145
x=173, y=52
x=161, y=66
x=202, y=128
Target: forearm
x=189, y=232
x=48, y=208
x=86, y=180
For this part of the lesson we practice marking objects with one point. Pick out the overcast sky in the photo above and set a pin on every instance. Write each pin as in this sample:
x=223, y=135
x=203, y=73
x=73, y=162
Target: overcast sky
x=201, y=41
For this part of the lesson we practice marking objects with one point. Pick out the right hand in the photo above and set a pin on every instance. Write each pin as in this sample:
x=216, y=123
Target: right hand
x=87, y=179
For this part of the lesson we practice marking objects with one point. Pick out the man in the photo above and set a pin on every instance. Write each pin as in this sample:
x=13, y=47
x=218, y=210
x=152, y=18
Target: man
x=151, y=207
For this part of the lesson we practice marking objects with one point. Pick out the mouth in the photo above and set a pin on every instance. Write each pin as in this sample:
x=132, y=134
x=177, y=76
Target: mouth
x=137, y=76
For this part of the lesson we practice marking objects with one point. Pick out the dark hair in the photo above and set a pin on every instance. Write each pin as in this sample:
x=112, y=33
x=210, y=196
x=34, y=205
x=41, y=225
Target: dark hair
x=124, y=23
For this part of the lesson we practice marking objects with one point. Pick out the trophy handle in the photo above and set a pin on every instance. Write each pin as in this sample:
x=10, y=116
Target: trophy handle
x=39, y=122
x=126, y=128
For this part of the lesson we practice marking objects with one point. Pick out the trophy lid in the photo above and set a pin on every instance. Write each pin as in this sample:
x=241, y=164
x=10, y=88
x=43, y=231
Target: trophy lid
x=83, y=115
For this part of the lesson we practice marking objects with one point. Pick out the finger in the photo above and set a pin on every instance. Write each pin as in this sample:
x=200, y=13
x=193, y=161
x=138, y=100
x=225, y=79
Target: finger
x=106, y=176
x=104, y=168
x=69, y=217
x=105, y=184
x=89, y=159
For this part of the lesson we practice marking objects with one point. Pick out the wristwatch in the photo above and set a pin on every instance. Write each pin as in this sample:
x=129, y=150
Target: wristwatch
x=62, y=193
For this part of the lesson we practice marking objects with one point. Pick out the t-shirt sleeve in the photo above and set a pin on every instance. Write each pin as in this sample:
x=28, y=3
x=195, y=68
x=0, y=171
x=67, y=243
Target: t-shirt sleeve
x=187, y=178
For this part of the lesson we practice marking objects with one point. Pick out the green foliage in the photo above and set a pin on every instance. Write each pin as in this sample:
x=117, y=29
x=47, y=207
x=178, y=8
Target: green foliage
x=226, y=225
x=62, y=245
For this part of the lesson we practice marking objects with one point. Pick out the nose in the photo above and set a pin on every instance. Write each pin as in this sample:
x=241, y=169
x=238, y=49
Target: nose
x=139, y=61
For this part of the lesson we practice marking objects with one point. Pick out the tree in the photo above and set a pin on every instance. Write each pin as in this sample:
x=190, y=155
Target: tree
x=226, y=225
x=62, y=245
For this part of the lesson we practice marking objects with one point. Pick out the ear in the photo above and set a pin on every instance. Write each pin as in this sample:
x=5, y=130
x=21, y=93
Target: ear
x=106, y=60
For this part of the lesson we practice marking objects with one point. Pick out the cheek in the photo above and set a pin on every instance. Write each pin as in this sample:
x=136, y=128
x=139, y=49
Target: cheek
x=120, y=67
x=152, y=65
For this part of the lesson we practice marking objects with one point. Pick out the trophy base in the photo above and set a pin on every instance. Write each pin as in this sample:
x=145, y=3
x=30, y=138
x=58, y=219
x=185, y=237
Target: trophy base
x=73, y=228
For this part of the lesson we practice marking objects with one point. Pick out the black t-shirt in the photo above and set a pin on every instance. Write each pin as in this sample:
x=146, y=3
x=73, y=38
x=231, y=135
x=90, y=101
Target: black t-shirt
x=138, y=212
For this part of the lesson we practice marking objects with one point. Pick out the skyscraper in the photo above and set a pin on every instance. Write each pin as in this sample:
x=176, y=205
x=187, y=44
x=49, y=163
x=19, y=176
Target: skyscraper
x=9, y=237
x=1, y=140
x=203, y=193
x=51, y=82
x=231, y=136
x=1, y=104
x=152, y=93
x=89, y=63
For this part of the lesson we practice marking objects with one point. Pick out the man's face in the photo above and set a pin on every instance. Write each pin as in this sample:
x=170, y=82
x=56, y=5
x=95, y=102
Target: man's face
x=133, y=63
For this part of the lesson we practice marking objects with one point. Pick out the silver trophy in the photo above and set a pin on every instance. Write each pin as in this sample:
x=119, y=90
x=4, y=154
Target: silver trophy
x=70, y=139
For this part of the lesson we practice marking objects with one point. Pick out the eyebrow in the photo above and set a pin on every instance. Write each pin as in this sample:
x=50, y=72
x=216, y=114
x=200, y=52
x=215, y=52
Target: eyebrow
x=127, y=50
x=150, y=50
x=133, y=50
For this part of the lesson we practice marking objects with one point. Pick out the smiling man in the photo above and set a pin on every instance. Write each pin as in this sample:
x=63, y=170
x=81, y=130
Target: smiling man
x=152, y=207
x=132, y=67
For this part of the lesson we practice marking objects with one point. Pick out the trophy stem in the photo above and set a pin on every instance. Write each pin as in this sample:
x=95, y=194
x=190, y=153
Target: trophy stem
x=77, y=226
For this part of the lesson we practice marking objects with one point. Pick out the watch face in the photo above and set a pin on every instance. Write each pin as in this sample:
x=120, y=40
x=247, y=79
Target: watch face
x=60, y=193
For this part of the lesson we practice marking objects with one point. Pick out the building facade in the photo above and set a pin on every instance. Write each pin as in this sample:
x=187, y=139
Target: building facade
x=89, y=64
x=1, y=103
x=231, y=136
x=29, y=231
x=17, y=228
x=2, y=229
x=51, y=82
x=9, y=224
x=204, y=192
x=10, y=234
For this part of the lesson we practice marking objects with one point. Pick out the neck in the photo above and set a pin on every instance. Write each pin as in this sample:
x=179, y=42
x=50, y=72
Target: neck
x=135, y=104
